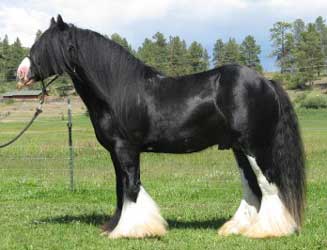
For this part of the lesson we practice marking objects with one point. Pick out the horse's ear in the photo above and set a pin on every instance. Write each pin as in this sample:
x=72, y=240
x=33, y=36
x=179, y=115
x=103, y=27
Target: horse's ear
x=52, y=22
x=61, y=24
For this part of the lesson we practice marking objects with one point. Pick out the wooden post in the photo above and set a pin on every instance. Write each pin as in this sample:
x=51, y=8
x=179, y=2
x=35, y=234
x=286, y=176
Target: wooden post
x=70, y=143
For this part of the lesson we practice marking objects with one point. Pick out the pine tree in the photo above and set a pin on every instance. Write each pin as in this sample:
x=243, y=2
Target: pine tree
x=289, y=57
x=197, y=58
x=123, y=42
x=146, y=51
x=2, y=61
x=231, y=52
x=1, y=50
x=177, y=57
x=280, y=34
x=155, y=52
x=249, y=53
x=17, y=53
x=298, y=27
x=206, y=60
x=308, y=54
x=6, y=61
x=320, y=25
x=160, y=52
x=218, y=53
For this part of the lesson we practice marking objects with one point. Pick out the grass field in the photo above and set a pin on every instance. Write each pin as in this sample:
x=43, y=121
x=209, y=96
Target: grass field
x=197, y=192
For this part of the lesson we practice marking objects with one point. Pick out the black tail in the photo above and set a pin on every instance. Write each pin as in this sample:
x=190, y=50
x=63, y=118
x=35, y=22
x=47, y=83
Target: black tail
x=288, y=158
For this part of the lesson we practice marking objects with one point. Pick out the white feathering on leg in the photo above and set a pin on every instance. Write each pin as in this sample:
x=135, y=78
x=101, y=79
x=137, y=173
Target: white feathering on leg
x=140, y=219
x=245, y=214
x=273, y=219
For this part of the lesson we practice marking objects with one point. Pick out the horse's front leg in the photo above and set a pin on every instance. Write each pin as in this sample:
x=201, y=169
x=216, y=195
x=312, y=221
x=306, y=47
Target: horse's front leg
x=137, y=215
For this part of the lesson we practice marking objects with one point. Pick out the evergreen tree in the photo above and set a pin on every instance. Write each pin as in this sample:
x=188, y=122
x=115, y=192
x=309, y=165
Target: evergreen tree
x=249, y=53
x=320, y=25
x=309, y=56
x=177, y=57
x=17, y=53
x=123, y=42
x=289, y=58
x=197, y=58
x=146, y=51
x=1, y=50
x=2, y=61
x=280, y=35
x=298, y=27
x=231, y=52
x=206, y=60
x=6, y=58
x=218, y=53
x=155, y=52
x=160, y=52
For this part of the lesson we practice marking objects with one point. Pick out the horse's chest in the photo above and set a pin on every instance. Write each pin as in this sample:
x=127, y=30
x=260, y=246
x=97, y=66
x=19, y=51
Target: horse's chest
x=103, y=127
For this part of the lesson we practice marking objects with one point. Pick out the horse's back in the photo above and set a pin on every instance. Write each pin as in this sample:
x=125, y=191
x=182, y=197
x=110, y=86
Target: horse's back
x=183, y=114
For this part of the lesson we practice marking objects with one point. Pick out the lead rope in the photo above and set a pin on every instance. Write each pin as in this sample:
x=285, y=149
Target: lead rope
x=38, y=111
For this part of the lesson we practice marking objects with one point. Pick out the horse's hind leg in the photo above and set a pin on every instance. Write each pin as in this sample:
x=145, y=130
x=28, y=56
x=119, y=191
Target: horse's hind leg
x=250, y=203
x=137, y=215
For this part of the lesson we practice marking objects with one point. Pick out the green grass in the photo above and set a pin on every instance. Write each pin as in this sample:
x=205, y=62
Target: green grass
x=196, y=192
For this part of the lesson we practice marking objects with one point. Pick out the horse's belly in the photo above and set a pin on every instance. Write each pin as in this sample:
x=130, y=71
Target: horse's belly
x=187, y=142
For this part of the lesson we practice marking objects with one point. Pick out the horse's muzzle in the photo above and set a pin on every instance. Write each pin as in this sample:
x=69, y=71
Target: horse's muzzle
x=24, y=73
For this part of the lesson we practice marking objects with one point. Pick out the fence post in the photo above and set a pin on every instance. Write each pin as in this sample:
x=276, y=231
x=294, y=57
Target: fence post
x=70, y=142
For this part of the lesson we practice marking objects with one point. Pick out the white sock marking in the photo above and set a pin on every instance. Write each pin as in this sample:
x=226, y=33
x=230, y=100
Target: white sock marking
x=140, y=219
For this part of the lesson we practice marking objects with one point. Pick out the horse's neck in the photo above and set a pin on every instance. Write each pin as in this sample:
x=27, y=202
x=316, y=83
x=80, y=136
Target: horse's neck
x=105, y=71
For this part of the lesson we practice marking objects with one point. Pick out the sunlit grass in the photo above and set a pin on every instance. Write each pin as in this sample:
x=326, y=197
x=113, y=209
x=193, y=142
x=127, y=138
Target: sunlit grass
x=196, y=192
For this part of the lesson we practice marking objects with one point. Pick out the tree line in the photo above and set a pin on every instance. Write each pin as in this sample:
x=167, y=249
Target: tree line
x=10, y=56
x=171, y=55
x=174, y=57
x=300, y=50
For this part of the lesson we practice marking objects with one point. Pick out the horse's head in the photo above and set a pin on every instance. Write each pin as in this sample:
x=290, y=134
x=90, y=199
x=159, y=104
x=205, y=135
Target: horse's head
x=45, y=57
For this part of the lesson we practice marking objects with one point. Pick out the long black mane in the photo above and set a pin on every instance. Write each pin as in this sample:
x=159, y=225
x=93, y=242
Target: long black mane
x=103, y=57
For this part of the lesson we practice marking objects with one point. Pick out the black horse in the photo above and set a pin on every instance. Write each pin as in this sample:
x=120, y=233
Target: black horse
x=135, y=109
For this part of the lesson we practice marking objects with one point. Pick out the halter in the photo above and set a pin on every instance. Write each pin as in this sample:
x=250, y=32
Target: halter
x=37, y=111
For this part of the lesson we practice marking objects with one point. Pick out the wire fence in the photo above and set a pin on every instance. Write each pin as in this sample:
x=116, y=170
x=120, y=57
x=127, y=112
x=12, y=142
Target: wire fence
x=45, y=147
x=42, y=157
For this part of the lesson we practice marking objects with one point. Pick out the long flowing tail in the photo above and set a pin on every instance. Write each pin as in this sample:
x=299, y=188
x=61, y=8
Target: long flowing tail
x=288, y=158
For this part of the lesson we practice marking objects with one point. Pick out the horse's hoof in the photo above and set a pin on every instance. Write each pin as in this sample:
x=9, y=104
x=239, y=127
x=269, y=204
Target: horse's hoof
x=263, y=228
x=158, y=229
x=232, y=227
x=141, y=232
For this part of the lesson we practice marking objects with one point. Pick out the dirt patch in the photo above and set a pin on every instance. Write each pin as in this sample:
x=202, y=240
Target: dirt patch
x=56, y=107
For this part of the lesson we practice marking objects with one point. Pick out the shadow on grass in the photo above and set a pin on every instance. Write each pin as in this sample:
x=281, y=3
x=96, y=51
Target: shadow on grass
x=100, y=219
x=213, y=223
x=92, y=219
